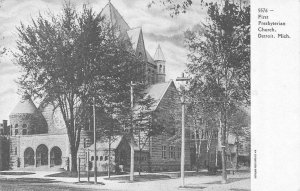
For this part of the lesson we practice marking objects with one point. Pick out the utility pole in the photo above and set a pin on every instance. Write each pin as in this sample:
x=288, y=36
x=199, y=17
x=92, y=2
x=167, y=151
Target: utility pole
x=95, y=148
x=182, y=131
x=131, y=135
x=88, y=166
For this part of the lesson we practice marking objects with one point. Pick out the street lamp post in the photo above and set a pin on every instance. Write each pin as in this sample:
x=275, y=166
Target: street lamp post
x=182, y=132
x=131, y=136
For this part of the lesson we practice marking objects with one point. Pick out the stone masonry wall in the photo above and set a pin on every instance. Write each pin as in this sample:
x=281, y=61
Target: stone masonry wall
x=170, y=100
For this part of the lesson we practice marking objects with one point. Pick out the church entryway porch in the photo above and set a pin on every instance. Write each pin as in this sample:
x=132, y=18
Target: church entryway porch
x=42, y=158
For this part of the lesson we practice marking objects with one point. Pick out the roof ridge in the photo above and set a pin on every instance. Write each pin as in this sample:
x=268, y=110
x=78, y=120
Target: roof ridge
x=112, y=6
x=116, y=14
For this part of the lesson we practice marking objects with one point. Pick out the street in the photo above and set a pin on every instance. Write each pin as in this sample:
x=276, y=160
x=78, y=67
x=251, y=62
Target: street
x=40, y=185
x=240, y=181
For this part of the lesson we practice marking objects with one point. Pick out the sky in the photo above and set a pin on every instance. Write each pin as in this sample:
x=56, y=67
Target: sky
x=157, y=25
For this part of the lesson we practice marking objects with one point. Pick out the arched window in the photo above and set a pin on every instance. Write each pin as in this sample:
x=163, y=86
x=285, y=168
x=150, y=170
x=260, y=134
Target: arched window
x=101, y=158
x=160, y=68
x=16, y=131
x=92, y=158
x=24, y=131
x=55, y=156
x=97, y=158
x=28, y=157
x=42, y=155
x=105, y=158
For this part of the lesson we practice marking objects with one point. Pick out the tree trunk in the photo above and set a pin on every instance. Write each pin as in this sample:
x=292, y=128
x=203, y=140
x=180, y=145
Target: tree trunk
x=140, y=165
x=149, y=157
x=216, y=160
x=224, y=174
x=237, y=152
x=196, y=153
x=199, y=150
x=224, y=132
x=109, y=145
x=74, y=161
x=140, y=154
x=209, y=140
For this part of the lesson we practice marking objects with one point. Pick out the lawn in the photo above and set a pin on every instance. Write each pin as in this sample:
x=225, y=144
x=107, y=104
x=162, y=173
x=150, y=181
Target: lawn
x=140, y=178
x=82, y=174
x=16, y=173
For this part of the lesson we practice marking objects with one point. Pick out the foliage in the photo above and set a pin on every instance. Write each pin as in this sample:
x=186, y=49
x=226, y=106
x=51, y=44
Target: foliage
x=220, y=63
x=182, y=6
x=220, y=57
x=174, y=8
x=2, y=49
x=71, y=58
x=147, y=122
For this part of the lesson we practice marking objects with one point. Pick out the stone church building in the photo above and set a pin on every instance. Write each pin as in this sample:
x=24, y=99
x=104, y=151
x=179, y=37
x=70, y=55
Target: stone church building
x=38, y=137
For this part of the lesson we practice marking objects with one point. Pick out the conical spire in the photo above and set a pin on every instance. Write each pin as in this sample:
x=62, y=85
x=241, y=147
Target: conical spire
x=26, y=105
x=159, y=54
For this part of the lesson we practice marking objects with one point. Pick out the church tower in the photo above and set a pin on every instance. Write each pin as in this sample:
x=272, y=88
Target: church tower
x=26, y=119
x=160, y=62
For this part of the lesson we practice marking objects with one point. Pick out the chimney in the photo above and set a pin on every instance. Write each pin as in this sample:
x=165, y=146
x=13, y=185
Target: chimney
x=5, y=127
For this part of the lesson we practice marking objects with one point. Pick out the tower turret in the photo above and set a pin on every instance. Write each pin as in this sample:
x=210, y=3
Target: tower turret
x=160, y=62
x=27, y=119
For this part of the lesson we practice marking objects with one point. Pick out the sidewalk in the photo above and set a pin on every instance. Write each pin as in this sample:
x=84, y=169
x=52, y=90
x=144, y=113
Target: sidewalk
x=237, y=182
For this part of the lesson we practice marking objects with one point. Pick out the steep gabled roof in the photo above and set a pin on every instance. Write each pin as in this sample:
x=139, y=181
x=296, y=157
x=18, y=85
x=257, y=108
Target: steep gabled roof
x=159, y=54
x=114, y=17
x=149, y=58
x=103, y=145
x=134, y=35
x=157, y=92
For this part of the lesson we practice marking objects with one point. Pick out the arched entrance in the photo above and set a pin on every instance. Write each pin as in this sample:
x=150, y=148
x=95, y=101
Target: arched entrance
x=28, y=157
x=41, y=155
x=55, y=156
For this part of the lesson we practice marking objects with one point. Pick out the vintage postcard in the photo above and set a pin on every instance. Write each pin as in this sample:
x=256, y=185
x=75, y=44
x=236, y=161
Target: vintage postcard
x=149, y=95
